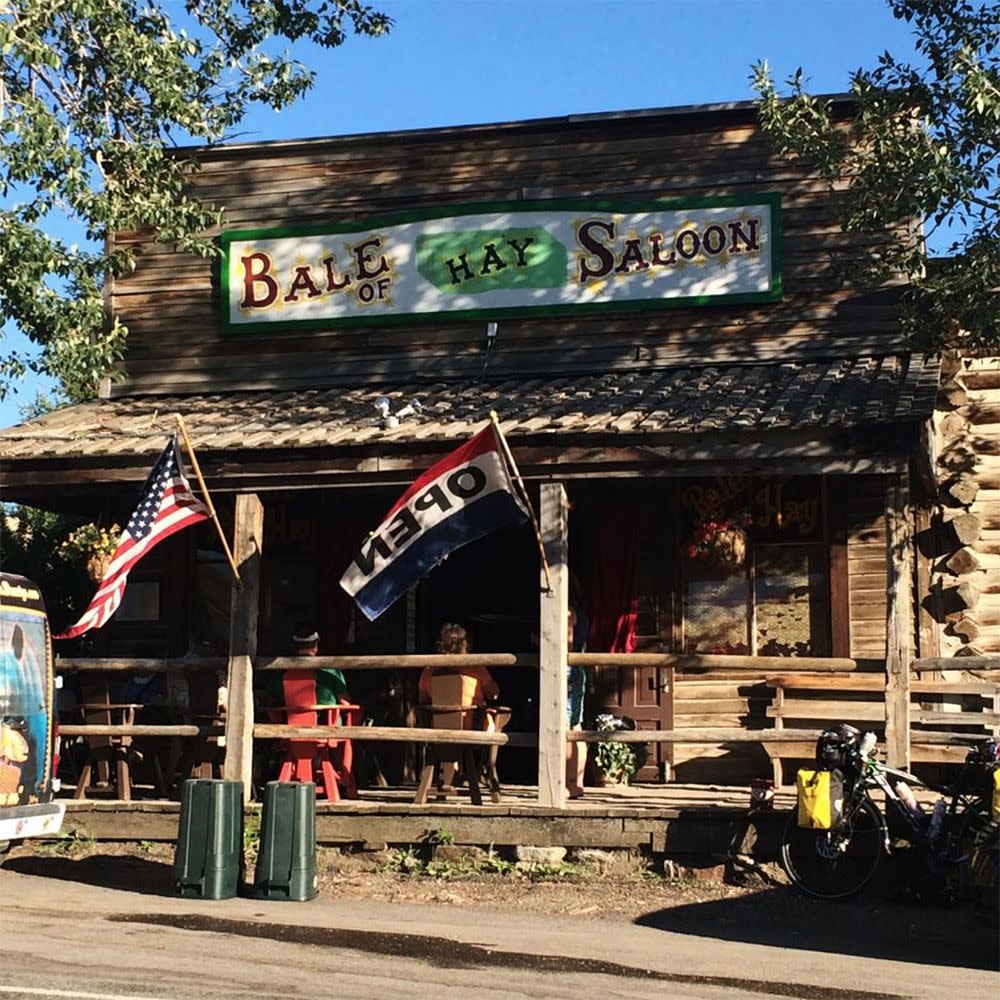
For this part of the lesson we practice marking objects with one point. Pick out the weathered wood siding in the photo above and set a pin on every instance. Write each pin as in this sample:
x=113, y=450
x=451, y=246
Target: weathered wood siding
x=718, y=699
x=721, y=700
x=866, y=566
x=170, y=302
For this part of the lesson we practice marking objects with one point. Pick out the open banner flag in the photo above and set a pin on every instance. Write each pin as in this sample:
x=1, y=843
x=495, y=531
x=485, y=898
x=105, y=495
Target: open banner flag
x=463, y=497
x=167, y=505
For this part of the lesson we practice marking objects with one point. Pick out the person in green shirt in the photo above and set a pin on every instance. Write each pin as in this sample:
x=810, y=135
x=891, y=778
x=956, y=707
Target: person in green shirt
x=331, y=687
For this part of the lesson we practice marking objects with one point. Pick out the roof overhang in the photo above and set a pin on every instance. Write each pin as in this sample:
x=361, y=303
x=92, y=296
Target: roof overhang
x=837, y=416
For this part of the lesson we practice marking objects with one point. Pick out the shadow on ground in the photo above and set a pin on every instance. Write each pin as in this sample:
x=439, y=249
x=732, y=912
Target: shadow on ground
x=867, y=927
x=108, y=871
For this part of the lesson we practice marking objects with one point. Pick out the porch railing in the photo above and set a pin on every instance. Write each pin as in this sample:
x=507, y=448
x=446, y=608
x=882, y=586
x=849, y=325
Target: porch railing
x=757, y=665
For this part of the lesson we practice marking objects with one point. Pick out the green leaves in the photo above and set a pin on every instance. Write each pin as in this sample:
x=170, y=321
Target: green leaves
x=93, y=93
x=921, y=157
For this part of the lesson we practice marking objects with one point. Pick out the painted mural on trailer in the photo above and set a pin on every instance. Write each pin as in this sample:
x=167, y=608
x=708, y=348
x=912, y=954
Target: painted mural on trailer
x=25, y=694
x=505, y=259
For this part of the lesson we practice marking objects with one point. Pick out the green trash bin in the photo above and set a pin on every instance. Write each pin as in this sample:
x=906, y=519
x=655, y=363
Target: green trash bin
x=286, y=862
x=210, y=842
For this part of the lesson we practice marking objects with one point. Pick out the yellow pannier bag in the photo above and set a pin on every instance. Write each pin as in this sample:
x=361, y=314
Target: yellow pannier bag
x=821, y=799
x=995, y=804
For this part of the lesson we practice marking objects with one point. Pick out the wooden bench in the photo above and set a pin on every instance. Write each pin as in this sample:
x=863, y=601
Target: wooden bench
x=817, y=700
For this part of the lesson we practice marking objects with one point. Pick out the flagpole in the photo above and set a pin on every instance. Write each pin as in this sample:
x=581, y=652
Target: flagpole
x=524, y=495
x=204, y=489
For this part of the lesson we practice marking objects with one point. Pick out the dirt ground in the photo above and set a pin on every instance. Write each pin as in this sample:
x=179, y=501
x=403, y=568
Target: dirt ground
x=625, y=888
x=619, y=887
x=616, y=886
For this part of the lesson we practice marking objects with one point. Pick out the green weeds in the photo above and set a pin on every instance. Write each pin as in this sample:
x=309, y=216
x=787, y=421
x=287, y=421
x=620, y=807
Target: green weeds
x=410, y=861
x=65, y=845
x=251, y=837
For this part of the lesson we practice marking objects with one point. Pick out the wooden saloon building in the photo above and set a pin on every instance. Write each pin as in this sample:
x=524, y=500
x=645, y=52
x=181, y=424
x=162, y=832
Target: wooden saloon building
x=737, y=460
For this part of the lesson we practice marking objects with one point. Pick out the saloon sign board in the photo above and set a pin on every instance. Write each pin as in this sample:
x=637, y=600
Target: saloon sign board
x=514, y=258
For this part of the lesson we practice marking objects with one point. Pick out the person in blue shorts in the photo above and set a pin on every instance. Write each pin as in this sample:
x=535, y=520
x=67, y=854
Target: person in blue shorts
x=576, y=683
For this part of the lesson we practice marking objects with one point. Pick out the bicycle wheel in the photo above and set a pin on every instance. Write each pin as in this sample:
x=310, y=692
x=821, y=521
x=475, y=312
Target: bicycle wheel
x=983, y=872
x=833, y=864
x=962, y=837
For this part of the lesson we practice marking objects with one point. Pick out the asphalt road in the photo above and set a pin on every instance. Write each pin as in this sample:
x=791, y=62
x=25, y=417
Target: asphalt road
x=64, y=939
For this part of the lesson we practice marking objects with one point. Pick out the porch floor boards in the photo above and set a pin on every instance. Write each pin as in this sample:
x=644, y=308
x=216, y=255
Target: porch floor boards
x=667, y=801
x=678, y=820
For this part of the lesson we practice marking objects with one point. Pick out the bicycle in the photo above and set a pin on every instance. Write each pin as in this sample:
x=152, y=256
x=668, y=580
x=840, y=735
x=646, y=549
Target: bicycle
x=839, y=862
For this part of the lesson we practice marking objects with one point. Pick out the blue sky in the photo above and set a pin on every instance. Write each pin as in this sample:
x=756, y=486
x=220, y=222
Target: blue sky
x=454, y=62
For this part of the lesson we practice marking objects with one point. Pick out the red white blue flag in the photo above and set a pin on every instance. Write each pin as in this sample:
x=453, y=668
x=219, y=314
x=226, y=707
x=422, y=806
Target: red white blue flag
x=167, y=505
x=463, y=497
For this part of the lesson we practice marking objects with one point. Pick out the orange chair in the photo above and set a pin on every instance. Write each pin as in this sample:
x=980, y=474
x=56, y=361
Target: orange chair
x=447, y=712
x=328, y=762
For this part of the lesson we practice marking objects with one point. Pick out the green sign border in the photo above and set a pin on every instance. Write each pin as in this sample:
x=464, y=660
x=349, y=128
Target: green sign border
x=457, y=211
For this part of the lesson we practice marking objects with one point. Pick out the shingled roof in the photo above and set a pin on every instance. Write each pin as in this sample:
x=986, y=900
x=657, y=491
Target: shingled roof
x=840, y=393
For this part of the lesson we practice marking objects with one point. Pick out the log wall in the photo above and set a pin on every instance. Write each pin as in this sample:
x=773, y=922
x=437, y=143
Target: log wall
x=170, y=302
x=963, y=549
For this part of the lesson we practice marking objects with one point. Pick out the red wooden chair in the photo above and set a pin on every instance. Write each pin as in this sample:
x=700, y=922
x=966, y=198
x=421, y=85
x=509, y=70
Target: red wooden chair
x=328, y=762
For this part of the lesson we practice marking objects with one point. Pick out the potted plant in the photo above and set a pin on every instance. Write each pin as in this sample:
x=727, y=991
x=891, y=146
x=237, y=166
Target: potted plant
x=92, y=546
x=617, y=763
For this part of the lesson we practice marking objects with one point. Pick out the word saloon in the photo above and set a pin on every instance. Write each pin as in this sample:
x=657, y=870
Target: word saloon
x=463, y=497
x=504, y=259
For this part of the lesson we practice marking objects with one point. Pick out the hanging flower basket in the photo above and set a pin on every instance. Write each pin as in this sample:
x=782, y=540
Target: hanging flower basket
x=97, y=565
x=92, y=547
x=729, y=548
x=722, y=542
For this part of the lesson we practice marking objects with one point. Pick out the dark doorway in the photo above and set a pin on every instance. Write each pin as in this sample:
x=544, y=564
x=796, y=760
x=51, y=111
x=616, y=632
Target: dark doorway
x=492, y=588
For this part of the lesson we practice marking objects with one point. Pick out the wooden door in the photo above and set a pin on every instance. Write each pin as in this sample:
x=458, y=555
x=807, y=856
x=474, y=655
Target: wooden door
x=644, y=694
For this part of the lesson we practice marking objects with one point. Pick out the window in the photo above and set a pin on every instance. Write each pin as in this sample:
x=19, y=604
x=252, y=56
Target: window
x=755, y=567
x=715, y=610
x=791, y=606
x=140, y=602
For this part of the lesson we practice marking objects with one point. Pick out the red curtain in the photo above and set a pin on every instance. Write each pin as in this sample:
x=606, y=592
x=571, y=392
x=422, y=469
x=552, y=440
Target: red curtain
x=614, y=598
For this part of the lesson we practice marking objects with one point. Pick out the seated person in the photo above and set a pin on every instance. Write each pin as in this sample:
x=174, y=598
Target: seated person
x=478, y=686
x=331, y=687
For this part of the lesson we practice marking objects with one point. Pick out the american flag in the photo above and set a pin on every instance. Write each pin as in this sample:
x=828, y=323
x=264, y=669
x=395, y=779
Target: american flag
x=167, y=505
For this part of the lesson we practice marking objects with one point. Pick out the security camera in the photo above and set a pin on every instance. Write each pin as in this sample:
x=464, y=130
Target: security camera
x=412, y=407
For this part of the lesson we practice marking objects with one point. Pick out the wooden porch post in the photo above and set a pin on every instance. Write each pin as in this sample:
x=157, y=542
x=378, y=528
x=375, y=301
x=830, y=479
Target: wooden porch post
x=553, y=648
x=899, y=622
x=248, y=543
